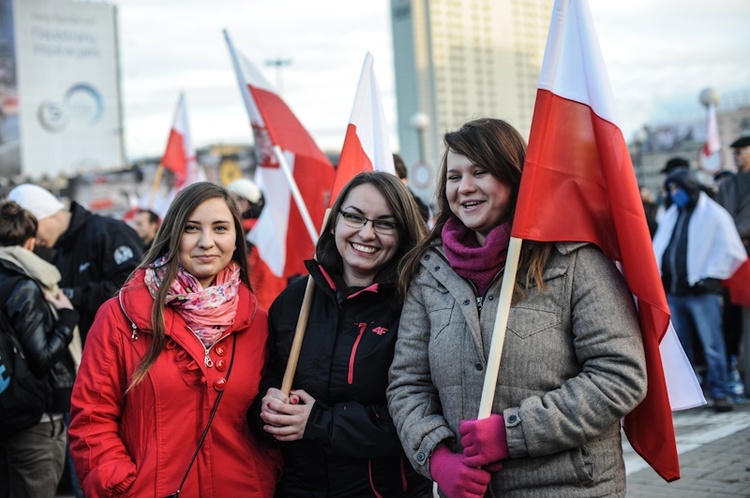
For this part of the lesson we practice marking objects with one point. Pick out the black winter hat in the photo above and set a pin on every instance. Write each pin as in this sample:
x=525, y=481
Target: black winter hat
x=674, y=163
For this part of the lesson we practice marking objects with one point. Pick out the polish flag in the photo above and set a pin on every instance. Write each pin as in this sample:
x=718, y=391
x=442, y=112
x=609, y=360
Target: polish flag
x=577, y=158
x=713, y=144
x=280, y=234
x=179, y=157
x=366, y=146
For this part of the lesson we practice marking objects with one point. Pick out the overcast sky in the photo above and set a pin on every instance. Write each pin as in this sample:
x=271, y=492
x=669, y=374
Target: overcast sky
x=659, y=53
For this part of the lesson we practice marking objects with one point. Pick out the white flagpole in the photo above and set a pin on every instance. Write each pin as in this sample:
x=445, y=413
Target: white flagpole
x=296, y=194
x=501, y=324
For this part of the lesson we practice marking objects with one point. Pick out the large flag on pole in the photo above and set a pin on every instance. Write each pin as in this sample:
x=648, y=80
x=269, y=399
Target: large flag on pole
x=366, y=146
x=577, y=158
x=280, y=234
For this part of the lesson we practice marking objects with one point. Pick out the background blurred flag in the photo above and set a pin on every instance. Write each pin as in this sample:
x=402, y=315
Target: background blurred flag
x=578, y=158
x=713, y=144
x=179, y=157
x=366, y=146
x=280, y=235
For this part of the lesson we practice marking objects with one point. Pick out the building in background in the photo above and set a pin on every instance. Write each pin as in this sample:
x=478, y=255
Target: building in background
x=460, y=59
x=685, y=135
x=59, y=74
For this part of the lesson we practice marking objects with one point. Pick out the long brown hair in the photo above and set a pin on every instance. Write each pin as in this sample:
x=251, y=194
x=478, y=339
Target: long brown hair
x=167, y=243
x=497, y=147
x=411, y=226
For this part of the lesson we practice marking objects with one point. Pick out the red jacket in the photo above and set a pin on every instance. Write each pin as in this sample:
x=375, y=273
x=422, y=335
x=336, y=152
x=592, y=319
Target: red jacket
x=140, y=444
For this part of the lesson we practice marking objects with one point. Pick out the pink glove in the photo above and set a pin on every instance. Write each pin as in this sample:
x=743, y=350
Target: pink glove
x=455, y=478
x=484, y=440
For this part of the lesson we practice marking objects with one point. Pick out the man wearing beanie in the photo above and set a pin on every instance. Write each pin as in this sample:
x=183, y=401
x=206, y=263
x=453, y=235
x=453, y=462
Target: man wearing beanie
x=94, y=254
x=696, y=247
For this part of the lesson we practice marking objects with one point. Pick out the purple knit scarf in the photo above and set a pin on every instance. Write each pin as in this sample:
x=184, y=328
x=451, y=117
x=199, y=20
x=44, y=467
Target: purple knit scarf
x=476, y=263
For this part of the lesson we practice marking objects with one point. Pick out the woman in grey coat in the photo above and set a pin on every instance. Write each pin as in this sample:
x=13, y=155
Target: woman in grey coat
x=572, y=363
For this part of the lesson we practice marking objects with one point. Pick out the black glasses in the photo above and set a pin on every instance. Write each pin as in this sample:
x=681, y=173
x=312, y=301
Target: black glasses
x=383, y=227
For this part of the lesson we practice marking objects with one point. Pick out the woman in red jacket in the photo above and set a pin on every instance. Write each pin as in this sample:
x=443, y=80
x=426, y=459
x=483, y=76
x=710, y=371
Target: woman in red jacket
x=158, y=358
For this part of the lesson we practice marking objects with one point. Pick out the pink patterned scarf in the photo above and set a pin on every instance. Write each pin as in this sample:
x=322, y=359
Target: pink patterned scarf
x=478, y=264
x=208, y=312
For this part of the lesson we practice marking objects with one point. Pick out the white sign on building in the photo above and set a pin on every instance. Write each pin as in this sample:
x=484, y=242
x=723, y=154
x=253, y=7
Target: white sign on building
x=68, y=86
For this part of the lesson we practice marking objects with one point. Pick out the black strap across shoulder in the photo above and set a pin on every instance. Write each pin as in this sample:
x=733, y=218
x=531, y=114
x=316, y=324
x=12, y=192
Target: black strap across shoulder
x=208, y=425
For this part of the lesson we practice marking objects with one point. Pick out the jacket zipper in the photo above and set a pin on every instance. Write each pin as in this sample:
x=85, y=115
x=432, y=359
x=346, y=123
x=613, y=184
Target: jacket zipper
x=134, y=328
x=673, y=255
x=362, y=327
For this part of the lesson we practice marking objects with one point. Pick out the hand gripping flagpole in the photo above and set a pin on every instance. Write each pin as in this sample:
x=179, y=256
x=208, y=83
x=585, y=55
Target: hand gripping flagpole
x=299, y=330
x=501, y=324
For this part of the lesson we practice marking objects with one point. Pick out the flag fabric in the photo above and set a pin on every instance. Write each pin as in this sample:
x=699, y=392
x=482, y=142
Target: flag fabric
x=713, y=144
x=280, y=234
x=577, y=158
x=179, y=156
x=366, y=146
x=739, y=285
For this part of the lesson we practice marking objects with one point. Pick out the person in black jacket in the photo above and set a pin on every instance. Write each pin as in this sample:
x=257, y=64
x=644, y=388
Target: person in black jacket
x=43, y=319
x=334, y=428
x=95, y=254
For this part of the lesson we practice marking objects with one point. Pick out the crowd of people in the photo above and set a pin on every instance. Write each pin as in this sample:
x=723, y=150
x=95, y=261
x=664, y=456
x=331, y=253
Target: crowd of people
x=166, y=366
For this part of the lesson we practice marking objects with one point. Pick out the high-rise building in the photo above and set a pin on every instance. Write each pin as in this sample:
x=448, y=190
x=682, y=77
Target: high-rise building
x=461, y=59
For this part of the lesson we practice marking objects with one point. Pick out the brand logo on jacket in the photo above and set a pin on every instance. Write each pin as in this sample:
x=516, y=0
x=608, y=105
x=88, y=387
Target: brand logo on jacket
x=122, y=254
x=84, y=267
x=380, y=330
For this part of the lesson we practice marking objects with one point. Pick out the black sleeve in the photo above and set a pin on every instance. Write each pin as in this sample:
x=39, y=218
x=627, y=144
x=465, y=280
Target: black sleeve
x=43, y=339
x=119, y=251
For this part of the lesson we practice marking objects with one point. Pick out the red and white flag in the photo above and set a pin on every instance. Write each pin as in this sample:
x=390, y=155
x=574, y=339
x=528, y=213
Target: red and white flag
x=713, y=144
x=280, y=234
x=366, y=146
x=179, y=156
x=577, y=158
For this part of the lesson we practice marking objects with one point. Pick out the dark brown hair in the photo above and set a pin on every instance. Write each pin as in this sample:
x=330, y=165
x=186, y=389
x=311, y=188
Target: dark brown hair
x=411, y=226
x=497, y=147
x=16, y=224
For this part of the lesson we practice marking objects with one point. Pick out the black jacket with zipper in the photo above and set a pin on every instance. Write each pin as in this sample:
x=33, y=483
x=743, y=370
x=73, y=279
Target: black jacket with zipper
x=350, y=446
x=43, y=337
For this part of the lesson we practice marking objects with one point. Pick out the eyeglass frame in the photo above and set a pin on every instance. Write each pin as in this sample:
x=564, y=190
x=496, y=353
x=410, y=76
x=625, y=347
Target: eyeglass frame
x=390, y=228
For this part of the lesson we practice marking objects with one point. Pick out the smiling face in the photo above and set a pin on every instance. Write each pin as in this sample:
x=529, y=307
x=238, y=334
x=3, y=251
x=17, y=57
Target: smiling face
x=476, y=197
x=363, y=250
x=208, y=240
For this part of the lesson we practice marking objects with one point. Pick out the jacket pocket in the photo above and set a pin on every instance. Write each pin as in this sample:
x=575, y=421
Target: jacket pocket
x=525, y=322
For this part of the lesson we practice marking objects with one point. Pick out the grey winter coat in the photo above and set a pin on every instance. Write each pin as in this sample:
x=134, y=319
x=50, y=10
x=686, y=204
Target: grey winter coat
x=572, y=366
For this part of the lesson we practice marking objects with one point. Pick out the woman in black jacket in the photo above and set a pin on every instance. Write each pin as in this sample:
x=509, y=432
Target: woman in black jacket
x=334, y=428
x=43, y=319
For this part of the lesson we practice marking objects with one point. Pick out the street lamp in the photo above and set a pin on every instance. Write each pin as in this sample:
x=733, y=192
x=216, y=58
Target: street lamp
x=279, y=64
x=420, y=121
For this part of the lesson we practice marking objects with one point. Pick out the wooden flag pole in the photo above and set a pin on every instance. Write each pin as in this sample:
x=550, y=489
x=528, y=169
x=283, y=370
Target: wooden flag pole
x=299, y=335
x=157, y=180
x=501, y=324
x=299, y=331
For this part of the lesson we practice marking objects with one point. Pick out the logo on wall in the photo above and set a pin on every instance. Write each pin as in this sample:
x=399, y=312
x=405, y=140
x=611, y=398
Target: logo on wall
x=82, y=103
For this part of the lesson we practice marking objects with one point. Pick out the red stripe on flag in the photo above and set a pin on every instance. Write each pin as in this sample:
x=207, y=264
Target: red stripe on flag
x=174, y=157
x=353, y=161
x=739, y=285
x=285, y=130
